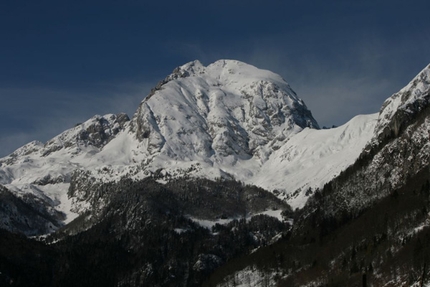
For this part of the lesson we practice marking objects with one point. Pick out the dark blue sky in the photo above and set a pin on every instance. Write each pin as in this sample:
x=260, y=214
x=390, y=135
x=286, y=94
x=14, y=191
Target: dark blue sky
x=63, y=61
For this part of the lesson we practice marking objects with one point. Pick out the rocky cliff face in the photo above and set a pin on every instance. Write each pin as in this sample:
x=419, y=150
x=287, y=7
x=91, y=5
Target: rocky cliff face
x=401, y=109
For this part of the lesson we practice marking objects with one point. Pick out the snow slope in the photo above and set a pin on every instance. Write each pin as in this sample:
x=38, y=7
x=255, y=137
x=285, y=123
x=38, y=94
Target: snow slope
x=314, y=157
x=228, y=119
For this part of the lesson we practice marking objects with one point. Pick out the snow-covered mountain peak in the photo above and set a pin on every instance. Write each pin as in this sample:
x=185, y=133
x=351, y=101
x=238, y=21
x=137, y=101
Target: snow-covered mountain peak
x=403, y=105
x=97, y=132
x=227, y=108
x=231, y=73
x=227, y=70
x=93, y=133
x=191, y=68
x=25, y=150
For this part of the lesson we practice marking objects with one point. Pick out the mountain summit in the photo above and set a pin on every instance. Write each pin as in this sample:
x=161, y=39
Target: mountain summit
x=228, y=108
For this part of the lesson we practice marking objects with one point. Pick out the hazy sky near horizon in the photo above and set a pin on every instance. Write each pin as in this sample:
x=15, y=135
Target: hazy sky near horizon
x=61, y=62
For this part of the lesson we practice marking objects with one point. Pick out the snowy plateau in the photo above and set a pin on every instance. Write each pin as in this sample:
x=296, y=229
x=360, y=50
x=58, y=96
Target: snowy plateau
x=227, y=120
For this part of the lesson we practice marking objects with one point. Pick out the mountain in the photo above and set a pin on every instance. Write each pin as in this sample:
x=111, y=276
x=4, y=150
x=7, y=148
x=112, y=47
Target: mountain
x=222, y=177
x=228, y=120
